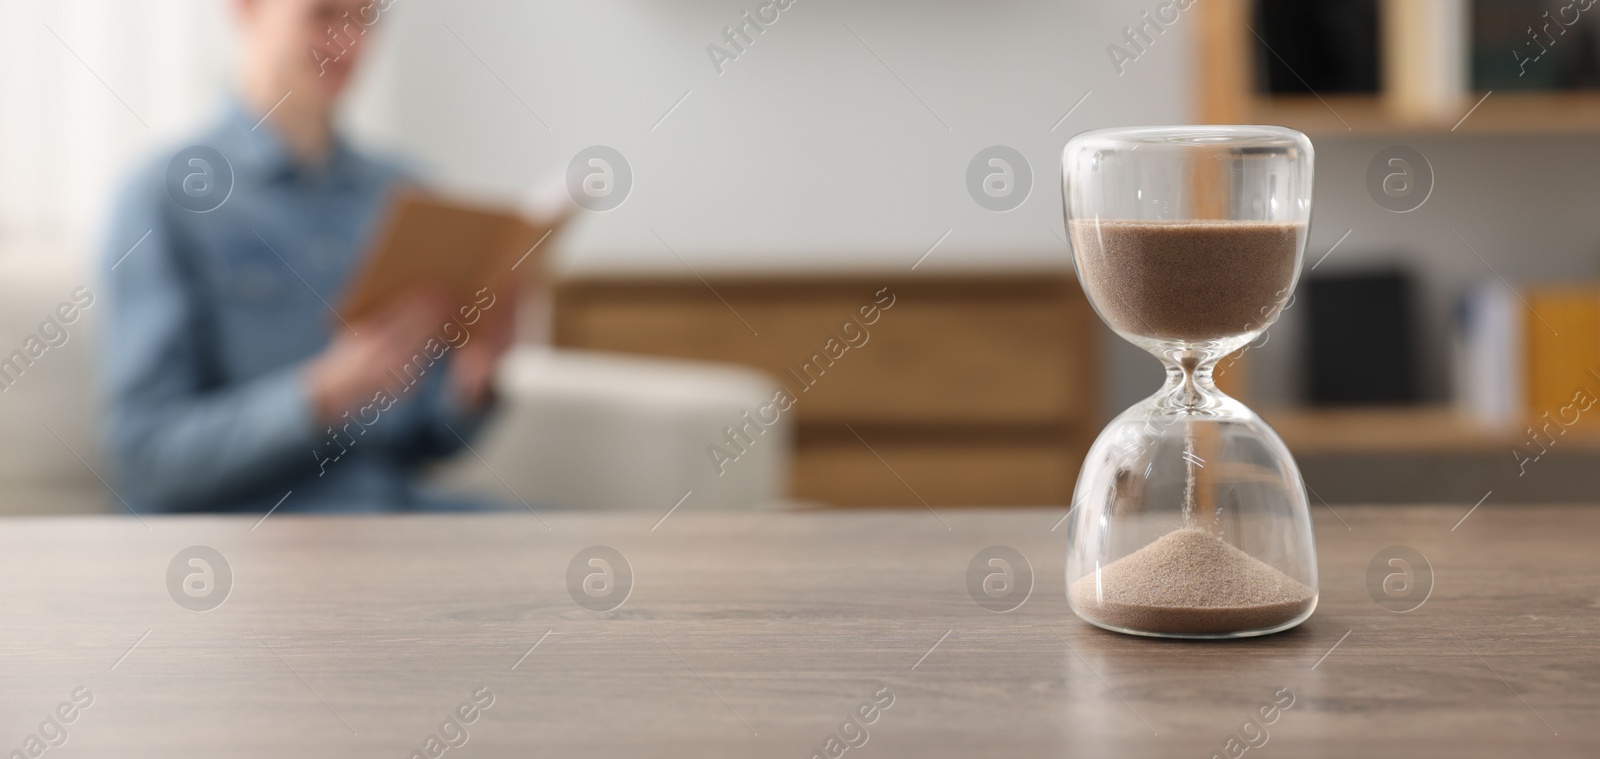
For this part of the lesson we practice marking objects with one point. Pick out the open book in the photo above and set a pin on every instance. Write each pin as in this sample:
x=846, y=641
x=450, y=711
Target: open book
x=453, y=247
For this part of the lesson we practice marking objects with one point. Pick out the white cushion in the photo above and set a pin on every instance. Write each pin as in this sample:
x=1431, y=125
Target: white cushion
x=580, y=429
x=38, y=474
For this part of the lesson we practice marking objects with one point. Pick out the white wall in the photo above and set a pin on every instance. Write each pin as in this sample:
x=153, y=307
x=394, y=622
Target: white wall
x=807, y=152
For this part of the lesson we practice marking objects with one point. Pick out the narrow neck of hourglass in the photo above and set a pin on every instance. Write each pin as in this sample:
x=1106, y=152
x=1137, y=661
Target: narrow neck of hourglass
x=1190, y=382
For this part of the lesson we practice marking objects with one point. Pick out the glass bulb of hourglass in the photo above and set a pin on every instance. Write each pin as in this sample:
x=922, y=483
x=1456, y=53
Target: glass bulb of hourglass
x=1189, y=516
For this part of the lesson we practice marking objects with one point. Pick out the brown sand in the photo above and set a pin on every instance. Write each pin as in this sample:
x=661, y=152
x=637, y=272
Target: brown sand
x=1189, y=582
x=1187, y=280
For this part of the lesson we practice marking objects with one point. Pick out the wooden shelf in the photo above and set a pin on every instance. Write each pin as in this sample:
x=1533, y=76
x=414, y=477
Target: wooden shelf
x=1498, y=113
x=1536, y=112
x=1422, y=429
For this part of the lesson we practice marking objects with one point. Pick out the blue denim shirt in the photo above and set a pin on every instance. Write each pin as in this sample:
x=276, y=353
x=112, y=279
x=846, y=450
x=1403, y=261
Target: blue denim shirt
x=212, y=314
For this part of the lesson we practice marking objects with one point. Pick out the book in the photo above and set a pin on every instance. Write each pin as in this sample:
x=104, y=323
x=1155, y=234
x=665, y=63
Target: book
x=1489, y=363
x=1529, y=356
x=1562, y=335
x=452, y=247
x=1361, y=338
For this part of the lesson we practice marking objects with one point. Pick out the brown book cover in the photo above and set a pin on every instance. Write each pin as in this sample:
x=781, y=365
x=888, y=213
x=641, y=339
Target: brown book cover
x=449, y=246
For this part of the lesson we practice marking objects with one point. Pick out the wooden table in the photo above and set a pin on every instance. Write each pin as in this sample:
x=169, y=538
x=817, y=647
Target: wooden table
x=758, y=635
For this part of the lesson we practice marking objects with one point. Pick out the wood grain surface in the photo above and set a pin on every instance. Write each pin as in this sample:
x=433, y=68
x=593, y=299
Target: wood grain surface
x=758, y=635
x=981, y=386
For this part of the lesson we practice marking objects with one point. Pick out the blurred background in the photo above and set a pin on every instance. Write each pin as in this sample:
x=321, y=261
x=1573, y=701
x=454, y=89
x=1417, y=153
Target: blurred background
x=1445, y=333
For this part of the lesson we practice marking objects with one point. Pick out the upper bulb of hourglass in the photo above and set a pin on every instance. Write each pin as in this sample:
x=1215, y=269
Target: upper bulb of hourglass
x=1188, y=239
x=1206, y=286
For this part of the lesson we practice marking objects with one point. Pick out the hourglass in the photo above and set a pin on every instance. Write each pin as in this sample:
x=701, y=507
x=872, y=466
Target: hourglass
x=1190, y=519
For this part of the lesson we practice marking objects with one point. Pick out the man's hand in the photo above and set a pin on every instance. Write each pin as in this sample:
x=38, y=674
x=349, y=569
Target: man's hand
x=360, y=360
x=473, y=364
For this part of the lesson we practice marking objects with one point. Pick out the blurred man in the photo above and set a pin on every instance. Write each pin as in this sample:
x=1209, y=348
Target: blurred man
x=231, y=383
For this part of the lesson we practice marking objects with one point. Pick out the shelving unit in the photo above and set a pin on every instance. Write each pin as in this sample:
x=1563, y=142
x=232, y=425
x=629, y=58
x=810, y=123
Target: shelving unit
x=1423, y=82
x=1423, y=89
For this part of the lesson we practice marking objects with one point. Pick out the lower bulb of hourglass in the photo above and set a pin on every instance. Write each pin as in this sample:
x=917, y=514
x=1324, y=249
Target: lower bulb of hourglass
x=1191, y=520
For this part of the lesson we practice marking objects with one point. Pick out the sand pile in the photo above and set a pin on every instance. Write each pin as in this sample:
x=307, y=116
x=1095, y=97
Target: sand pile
x=1190, y=582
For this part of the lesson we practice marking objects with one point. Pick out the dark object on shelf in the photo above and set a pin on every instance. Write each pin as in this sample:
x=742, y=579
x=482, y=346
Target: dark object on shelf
x=1522, y=45
x=1318, y=46
x=1360, y=339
